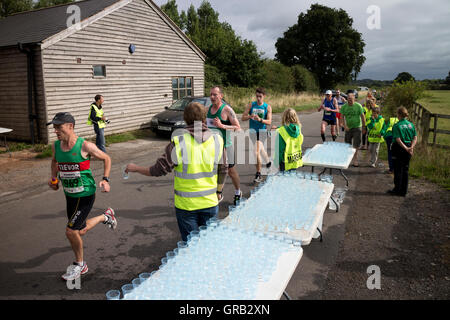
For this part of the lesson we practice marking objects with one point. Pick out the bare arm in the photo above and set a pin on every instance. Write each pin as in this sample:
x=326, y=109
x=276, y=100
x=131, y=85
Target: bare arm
x=231, y=116
x=54, y=170
x=245, y=115
x=139, y=169
x=92, y=150
x=268, y=121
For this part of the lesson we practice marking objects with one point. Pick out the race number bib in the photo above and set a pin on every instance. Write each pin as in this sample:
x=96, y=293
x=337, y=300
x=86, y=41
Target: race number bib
x=70, y=176
x=210, y=122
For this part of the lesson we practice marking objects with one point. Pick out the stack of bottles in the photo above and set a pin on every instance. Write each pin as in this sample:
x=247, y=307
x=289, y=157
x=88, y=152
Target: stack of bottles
x=284, y=203
x=217, y=262
x=329, y=153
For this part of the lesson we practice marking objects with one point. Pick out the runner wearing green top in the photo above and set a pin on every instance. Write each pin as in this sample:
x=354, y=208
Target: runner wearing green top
x=354, y=124
x=405, y=139
x=71, y=164
x=223, y=118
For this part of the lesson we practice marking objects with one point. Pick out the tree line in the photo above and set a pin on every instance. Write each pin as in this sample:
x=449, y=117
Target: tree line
x=321, y=50
x=9, y=7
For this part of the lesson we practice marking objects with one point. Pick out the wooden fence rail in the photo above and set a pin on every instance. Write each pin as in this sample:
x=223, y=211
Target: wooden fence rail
x=422, y=118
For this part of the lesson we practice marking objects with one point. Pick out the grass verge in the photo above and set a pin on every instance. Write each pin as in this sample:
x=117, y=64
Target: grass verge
x=239, y=98
x=428, y=163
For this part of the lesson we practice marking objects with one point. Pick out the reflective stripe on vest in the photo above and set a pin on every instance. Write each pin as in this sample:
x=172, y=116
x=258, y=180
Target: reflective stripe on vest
x=375, y=131
x=293, y=152
x=195, y=182
x=99, y=114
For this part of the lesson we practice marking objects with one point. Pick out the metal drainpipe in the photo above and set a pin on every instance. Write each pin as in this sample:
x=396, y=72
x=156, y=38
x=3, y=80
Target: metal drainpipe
x=31, y=116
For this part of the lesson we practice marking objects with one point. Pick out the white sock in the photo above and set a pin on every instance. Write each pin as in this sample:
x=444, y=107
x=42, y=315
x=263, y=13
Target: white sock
x=106, y=218
x=237, y=192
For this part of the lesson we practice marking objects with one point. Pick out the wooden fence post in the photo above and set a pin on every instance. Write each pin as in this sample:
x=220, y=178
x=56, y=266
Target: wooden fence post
x=425, y=124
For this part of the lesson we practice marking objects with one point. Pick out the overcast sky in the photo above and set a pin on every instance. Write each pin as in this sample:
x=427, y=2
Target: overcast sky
x=414, y=35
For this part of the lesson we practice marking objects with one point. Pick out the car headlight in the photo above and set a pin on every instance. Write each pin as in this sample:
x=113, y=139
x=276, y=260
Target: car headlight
x=154, y=120
x=180, y=123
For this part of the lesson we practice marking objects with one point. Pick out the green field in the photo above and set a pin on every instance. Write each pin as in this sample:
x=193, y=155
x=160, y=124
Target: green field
x=438, y=101
x=432, y=163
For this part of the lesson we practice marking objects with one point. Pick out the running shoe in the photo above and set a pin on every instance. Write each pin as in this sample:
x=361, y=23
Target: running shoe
x=258, y=178
x=237, y=198
x=268, y=165
x=74, y=271
x=111, y=218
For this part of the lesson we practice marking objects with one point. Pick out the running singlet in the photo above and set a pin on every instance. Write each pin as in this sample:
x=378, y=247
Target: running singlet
x=261, y=111
x=74, y=171
x=328, y=115
x=210, y=123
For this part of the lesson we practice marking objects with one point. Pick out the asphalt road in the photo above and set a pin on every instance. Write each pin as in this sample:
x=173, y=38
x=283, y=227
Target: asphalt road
x=34, y=251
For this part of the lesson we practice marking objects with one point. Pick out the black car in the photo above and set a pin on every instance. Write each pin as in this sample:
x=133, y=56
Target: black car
x=172, y=118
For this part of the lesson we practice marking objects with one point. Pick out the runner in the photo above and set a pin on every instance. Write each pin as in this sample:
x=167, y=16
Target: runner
x=354, y=122
x=341, y=101
x=260, y=115
x=71, y=164
x=223, y=118
x=330, y=108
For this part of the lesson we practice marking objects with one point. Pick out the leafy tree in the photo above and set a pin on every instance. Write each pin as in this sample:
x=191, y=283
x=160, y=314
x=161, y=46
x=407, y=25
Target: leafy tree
x=304, y=80
x=171, y=9
x=49, y=3
x=276, y=76
x=8, y=7
x=238, y=60
x=447, y=80
x=403, y=94
x=404, y=77
x=324, y=41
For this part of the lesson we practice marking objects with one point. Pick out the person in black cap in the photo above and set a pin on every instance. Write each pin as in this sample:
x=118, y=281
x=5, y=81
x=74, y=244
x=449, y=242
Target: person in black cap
x=71, y=164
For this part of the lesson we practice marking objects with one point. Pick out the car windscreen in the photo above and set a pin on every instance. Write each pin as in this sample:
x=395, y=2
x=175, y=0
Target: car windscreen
x=180, y=104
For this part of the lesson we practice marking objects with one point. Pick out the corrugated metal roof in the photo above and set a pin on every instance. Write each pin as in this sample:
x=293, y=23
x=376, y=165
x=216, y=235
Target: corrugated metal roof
x=38, y=25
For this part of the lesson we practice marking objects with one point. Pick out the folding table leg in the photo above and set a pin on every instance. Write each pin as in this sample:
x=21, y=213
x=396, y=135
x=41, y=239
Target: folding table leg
x=320, y=232
x=334, y=200
x=342, y=173
x=286, y=295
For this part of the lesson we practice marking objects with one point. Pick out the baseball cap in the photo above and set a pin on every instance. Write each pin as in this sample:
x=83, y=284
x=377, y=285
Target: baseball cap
x=61, y=118
x=328, y=92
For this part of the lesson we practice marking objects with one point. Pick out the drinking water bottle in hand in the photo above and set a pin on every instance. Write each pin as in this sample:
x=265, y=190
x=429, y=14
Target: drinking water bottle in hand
x=125, y=174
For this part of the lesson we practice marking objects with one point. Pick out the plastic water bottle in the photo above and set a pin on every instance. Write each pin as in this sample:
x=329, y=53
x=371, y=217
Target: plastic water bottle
x=124, y=173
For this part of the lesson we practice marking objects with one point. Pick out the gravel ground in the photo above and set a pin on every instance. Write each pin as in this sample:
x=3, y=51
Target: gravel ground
x=407, y=238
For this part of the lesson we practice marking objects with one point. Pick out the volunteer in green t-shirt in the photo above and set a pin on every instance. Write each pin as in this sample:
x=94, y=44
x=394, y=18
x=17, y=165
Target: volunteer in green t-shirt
x=71, y=164
x=354, y=121
x=404, y=140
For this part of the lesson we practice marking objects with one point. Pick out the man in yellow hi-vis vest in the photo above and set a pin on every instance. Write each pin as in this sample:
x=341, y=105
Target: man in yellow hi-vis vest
x=98, y=119
x=194, y=157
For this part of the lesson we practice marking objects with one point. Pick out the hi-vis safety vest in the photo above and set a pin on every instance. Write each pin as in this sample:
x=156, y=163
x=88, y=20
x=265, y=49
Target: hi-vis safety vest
x=99, y=114
x=392, y=121
x=368, y=115
x=195, y=182
x=293, y=152
x=375, y=131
